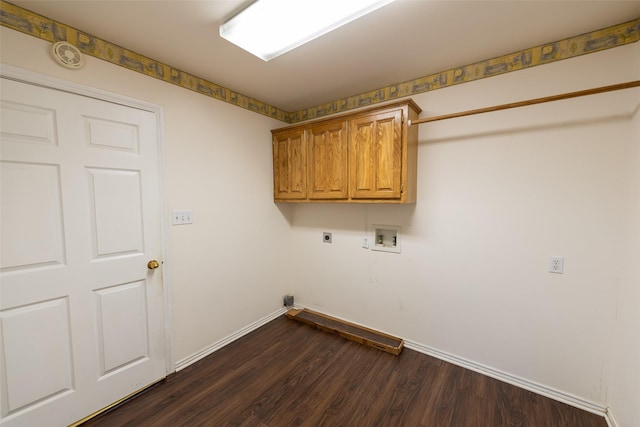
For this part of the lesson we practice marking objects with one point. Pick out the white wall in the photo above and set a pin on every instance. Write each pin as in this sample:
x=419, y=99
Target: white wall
x=225, y=269
x=497, y=195
x=625, y=364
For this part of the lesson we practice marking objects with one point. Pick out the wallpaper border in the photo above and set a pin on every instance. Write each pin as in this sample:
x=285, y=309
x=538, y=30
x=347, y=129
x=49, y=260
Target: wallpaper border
x=25, y=21
x=607, y=38
x=28, y=22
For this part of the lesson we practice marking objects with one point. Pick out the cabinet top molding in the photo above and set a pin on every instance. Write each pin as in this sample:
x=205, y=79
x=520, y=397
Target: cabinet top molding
x=364, y=109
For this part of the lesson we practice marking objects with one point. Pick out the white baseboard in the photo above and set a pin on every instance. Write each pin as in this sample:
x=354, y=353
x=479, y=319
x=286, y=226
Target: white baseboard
x=181, y=364
x=543, y=390
x=611, y=421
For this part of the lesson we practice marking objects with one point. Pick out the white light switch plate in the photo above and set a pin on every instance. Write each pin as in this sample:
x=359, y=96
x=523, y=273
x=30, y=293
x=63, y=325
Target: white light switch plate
x=184, y=216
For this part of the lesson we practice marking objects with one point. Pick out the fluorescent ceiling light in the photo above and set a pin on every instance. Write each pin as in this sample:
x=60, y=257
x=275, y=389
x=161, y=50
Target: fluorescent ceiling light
x=269, y=28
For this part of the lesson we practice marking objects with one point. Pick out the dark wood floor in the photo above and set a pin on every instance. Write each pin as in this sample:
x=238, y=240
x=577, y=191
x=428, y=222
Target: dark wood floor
x=290, y=374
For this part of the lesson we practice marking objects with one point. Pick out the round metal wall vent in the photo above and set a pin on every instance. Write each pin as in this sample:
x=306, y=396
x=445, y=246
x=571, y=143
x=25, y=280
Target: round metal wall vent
x=67, y=55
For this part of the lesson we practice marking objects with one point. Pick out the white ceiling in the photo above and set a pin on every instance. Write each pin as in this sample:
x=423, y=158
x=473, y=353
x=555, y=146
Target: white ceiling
x=402, y=41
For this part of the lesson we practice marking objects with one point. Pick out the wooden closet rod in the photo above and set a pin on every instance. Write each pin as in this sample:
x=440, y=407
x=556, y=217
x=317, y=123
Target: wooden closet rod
x=568, y=95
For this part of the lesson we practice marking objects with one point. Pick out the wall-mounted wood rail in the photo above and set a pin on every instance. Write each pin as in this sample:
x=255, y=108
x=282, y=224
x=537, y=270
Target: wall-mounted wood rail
x=542, y=100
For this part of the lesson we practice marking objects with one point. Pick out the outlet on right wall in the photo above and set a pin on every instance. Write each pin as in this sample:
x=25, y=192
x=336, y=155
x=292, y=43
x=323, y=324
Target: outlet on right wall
x=498, y=194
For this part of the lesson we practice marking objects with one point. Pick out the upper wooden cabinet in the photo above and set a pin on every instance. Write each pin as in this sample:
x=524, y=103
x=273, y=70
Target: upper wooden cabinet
x=365, y=157
x=289, y=165
x=375, y=152
x=327, y=161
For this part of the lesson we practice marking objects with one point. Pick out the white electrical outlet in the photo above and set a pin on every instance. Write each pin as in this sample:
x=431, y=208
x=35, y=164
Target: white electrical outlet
x=365, y=242
x=556, y=264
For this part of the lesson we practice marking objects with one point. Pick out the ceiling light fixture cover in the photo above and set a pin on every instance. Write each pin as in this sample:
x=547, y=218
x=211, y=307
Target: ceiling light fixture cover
x=269, y=28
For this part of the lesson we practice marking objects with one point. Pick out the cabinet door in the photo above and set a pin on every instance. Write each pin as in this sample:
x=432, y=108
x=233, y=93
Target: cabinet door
x=327, y=161
x=289, y=165
x=375, y=144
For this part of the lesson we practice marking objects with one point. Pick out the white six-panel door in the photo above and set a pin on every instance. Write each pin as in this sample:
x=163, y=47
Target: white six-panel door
x=82, y=317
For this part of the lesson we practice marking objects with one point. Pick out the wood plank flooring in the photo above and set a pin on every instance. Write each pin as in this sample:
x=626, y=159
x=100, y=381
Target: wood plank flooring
x=289, y=374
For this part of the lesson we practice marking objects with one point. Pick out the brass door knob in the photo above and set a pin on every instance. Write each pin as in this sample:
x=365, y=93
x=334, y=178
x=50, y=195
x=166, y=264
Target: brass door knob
x=153, y=264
